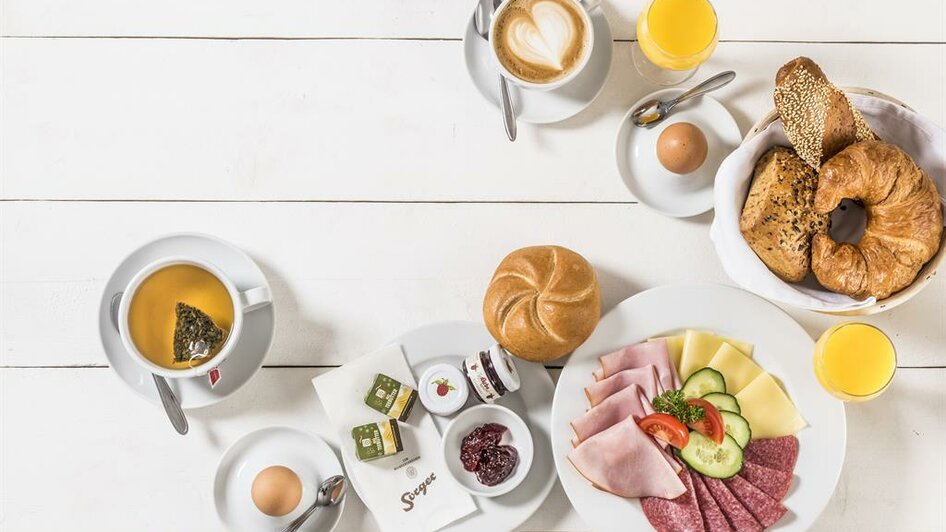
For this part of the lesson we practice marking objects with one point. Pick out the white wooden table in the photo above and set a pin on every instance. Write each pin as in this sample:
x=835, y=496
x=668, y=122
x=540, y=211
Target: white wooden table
x=342, y=145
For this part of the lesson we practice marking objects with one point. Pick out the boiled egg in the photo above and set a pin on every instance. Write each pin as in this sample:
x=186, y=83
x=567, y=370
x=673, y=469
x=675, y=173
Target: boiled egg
x=681, y=148
x=276, y=490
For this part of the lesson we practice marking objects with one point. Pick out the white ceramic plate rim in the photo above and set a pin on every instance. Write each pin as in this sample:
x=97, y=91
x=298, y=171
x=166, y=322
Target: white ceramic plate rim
x=458, y=338
x=228, y=456
x=117, y=355
x=782, y=347
x=728, y=128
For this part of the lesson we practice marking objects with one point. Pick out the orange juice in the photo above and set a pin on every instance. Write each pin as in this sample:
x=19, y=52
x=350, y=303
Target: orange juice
x=855, y=361
x=677, y=34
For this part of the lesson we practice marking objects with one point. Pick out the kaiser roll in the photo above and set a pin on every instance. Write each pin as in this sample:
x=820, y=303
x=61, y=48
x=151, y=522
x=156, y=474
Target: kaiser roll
x=542, y=303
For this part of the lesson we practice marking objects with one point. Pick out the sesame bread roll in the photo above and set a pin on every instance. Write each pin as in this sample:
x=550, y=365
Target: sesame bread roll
x=818, y=118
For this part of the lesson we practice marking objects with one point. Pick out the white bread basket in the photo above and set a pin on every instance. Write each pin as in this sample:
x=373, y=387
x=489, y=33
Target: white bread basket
x=893, y=121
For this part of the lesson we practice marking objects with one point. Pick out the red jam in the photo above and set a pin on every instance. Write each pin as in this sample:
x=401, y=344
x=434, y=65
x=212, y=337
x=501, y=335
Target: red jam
x=482, y=378
x=482, y=454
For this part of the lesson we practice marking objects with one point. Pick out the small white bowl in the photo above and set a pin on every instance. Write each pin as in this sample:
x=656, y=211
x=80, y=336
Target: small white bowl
x=518, y=436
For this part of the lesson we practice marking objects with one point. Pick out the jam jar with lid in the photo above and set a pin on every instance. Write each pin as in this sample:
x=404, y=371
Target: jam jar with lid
x=490, y=374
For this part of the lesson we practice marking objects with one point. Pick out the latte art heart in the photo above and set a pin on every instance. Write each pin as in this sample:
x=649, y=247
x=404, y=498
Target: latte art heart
x=540, y=40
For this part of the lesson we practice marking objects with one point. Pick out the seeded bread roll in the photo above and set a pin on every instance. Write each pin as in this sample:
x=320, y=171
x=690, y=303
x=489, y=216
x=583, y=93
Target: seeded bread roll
x=778, y=219
x=818, y=118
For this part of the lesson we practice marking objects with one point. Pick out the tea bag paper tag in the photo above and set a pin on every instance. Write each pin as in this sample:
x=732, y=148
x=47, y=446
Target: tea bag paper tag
x=213, y=376
x=411, y=490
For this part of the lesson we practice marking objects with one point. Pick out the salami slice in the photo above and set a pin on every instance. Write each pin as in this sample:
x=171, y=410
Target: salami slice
x=773, y=482
x=776, y=453
x=737, y=515
x=765, y=509
x=675, y=515
x=713, y=518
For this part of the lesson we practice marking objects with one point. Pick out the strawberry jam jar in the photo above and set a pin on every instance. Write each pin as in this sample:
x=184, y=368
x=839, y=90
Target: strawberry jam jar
x=490, y=374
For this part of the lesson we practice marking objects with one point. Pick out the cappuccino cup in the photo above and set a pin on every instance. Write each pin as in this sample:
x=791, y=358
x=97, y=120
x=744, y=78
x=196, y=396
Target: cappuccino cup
x=542, y=44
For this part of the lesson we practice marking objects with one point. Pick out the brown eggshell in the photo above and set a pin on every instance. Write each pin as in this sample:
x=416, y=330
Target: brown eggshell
x=276, y=491
x=681, y=148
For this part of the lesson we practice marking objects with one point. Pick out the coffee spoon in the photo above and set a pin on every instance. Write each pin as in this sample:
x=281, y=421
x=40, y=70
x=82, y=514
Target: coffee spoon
x=171, y=405
x=652, y=112
x=481, y=16
x=331, y=492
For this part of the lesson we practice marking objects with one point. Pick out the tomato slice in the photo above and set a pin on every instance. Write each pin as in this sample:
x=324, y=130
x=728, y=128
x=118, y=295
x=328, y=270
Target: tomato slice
x=711, y=425
x=667, y=428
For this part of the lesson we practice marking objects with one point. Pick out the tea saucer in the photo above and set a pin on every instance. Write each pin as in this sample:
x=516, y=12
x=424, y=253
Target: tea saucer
x=542, y=107
x=305, y=454
x=247, y=356
x=675, y=195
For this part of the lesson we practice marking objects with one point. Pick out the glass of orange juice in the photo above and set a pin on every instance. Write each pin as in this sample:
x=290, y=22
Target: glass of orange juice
x=855, y=361
x=674, y=37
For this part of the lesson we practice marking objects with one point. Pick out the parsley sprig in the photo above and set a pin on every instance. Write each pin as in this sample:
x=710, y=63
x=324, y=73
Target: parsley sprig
x=674, y=403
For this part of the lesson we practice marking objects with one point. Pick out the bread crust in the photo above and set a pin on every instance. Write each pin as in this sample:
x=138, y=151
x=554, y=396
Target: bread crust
x=542, y=302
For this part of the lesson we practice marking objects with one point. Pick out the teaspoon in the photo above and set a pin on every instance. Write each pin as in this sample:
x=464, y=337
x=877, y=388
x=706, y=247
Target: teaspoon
x=652, y=112
x=331, y=492
x=481, y=17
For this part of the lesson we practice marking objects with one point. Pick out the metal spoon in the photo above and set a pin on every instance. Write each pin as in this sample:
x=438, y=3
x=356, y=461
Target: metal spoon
x=481, y=16
x=330, y=493
x=171, y=405
x=653, y=112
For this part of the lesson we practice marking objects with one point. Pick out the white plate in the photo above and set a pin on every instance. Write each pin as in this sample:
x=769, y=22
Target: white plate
x=517, y=435
x=306, y=454
x=541, y=107
x=782, y=347
x=655, y=186
x=246, y=358
x=451, y=342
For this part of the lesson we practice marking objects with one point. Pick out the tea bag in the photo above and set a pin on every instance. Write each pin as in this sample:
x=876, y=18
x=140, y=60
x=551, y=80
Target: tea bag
x=196, y=335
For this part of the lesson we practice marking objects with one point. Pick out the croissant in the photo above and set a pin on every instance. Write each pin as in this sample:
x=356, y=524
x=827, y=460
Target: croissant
x=904, y=221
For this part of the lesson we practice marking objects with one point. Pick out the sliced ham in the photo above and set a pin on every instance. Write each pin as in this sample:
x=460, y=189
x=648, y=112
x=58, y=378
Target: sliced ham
x=645, y=377
x=681, y=514
x=775, y=453
x=625, y=461
x=765, y=509
x=640, y=355
x=738, y=516
x=618, y=406
x=713, y=518
x=773, y=482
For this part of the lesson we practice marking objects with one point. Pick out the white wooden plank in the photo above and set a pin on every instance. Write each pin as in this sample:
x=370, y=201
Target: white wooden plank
x=798, y=20
x=378, y=120
x=109, y=460
x=349, y=277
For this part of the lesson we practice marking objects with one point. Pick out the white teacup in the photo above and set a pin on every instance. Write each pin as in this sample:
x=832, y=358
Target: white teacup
x=243, y=302
x=585, y=7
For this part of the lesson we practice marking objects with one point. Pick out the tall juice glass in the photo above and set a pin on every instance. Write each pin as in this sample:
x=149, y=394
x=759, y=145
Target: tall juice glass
x=855, y=361
x=674, y=37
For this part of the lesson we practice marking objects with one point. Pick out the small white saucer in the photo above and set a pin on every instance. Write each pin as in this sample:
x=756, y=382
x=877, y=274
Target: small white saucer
x=542, y=107
x=671, y=194
x=304, y=453
x=246, y=358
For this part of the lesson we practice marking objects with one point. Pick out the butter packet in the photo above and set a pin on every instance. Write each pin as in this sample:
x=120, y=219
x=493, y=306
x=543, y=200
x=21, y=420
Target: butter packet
x=390, y=397
x=377, y=440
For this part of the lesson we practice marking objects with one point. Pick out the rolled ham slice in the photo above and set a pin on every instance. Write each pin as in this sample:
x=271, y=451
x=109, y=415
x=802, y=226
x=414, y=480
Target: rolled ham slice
x=627, y=402
x=640, y=355
x=625, y=461
x=645, y=378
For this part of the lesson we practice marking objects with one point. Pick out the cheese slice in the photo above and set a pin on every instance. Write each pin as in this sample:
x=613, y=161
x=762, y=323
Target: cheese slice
x=767, y=408
x=738, y=369
x=699, y=347
x=674, y=346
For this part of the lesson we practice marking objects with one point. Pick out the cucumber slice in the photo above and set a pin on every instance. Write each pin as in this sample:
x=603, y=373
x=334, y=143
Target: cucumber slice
x=715, y=461
x=723, y=401
x=703, y=382
x=737, y=427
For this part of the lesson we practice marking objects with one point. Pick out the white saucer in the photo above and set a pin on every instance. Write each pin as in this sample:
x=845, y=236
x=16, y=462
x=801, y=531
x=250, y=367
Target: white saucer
x=655, y=186
x=247, y=357
x=542, y=107
x=306, y=454
x=450, y=343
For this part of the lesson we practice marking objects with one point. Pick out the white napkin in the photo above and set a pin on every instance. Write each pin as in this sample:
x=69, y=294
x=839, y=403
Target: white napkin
x=385, y=483
x=916, y=135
